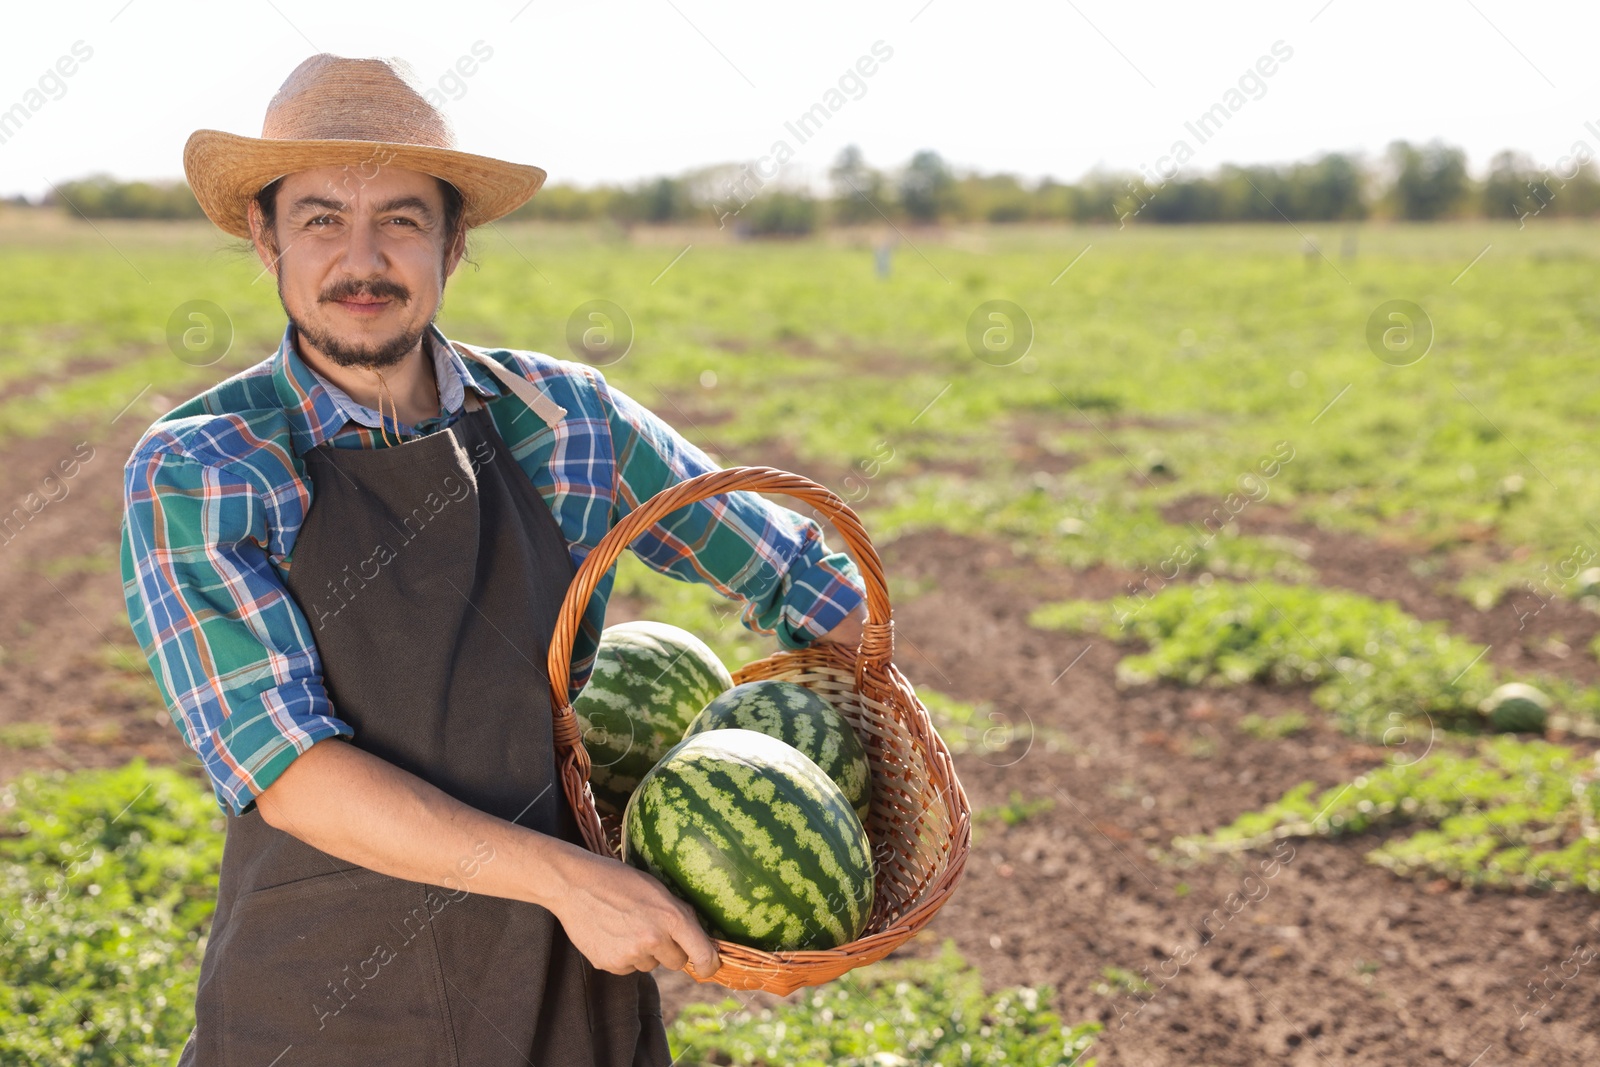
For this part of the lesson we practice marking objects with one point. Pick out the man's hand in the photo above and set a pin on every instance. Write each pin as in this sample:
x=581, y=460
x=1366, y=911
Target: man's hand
x=363, y=809
x=848, y=632
x=623, y=920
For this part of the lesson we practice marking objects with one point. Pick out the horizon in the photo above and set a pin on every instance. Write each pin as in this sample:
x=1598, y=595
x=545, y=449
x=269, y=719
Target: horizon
x=1370, y=163
x=659, y=90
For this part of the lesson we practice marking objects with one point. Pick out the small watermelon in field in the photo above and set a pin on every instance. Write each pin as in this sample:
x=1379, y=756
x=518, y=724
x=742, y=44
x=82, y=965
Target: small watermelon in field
x=756, y=837
x=1589, y=582
x=1517, y=708
x=650, y=679
x=792, y=713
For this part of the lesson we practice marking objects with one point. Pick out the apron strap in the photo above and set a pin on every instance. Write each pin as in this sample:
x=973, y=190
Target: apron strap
x=541, y=405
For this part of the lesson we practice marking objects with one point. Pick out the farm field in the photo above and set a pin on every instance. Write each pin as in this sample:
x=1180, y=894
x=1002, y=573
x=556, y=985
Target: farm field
x=1203, y=582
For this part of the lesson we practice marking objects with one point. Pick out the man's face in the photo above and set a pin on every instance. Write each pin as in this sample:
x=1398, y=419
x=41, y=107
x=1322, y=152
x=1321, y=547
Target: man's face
x=361, y=257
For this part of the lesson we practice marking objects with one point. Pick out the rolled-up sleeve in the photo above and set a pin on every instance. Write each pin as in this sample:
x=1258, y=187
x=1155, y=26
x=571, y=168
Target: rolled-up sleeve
x=747, y=548
x=231, y=651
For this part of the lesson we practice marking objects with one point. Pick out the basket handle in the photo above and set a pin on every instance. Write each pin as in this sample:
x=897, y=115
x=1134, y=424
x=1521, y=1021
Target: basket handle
x=877, y=640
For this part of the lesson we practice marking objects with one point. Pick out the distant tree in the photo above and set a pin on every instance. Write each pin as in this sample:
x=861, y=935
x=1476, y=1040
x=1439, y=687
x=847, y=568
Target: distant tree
x=1095, y=197
x=1430, y=181
x=666, y=201
x=991, y=198
x=783, y=213
x=565, y=203
x=1178, y=200
x=1513, y=188
x=925, y=187
x=1577, y=195
x=101, y=196
x=1055, y=201
x=1331, y=187
x=857, y=187
x=1255, y=194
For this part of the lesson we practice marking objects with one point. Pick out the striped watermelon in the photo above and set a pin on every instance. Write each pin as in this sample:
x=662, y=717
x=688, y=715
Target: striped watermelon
x=757, y=838
x=791, y=712
x=650, y=679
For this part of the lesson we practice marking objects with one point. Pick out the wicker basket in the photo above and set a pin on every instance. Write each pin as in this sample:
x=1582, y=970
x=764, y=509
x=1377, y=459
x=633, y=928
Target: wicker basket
x=920, y=821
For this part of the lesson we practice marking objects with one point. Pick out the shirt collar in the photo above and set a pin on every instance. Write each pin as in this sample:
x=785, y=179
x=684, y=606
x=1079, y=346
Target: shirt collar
x=318, y=409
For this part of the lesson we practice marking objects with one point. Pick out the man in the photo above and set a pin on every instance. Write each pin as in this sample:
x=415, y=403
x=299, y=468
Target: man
x=345, y=564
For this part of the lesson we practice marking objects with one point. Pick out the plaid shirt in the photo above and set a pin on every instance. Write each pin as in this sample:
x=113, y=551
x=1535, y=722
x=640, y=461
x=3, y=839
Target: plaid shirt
x=215, y=493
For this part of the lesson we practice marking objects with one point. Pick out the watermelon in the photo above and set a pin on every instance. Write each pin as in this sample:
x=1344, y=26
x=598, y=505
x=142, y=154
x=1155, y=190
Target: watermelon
x=650, y=679
x=792, y=713
x=1589, y=582
x=1516, y=708
x=757, y=838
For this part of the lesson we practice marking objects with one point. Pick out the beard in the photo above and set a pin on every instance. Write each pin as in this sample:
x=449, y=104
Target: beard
x=376, y=355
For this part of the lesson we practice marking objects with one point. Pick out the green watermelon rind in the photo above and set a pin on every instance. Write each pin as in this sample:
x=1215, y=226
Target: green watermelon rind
x=757, y=838
x=1516, y=707
x=649, y=681
x=801, y=717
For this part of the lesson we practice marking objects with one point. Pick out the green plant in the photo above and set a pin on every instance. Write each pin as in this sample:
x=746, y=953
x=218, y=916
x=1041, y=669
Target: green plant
x=1513, y=813
x=1016, y=811
x=1080, y=519
x=996, y=731
x=1275, y=727
x=1119, y=982
x=107, y=881
x=1372, y=663
x=894, y=1014
x=25, y=735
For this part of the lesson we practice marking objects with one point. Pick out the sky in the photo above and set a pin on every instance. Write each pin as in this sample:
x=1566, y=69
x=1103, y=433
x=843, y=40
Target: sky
x=616, y=91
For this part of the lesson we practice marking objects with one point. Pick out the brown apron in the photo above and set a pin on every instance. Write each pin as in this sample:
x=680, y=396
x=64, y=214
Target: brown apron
x=431, y=573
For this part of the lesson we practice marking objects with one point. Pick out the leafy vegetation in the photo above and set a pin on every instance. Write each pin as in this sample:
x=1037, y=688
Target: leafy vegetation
x=25, y=735
x=107, y=883
x=1162, y=368
x=1513, y=813
x=1374, y=666
x=1077, y=520
x=695, y=607
x=1014, y=812
x=996, y=731
x=1264, y=727
x=894, y=1014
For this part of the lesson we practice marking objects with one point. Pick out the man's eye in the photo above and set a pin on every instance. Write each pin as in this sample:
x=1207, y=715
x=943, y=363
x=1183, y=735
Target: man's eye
x=320, y=218
x=402, y=218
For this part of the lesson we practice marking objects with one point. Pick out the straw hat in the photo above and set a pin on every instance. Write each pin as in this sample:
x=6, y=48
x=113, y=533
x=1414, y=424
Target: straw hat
x=363, y=113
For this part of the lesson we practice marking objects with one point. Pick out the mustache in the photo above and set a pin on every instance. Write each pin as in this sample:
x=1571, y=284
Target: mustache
x=379, y=289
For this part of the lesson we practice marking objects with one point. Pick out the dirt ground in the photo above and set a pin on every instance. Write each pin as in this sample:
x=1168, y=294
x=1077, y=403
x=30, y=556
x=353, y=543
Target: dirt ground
x=1329, y=960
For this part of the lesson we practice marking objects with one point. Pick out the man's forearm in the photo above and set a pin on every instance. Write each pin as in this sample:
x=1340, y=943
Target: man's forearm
x=363, y=809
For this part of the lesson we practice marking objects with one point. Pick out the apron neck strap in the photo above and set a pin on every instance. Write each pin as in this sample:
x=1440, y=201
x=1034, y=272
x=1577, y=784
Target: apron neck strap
x=541, y=405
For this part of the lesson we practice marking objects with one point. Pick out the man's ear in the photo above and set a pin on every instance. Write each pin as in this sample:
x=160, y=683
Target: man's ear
x=265, y=242
x=458, y=248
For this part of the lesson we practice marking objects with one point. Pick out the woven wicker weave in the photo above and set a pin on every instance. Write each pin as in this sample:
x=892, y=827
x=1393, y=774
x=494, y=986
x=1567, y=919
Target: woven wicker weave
x=920, y=822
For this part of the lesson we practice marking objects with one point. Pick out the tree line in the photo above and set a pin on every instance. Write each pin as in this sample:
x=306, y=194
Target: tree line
x=1418, y=182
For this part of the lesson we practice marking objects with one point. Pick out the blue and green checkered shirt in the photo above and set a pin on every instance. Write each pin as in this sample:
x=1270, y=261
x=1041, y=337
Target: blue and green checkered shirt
x=215, y=493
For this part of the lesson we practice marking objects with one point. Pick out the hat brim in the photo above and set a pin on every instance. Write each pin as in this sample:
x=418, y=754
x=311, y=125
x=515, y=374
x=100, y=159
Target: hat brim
x=226, y=171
